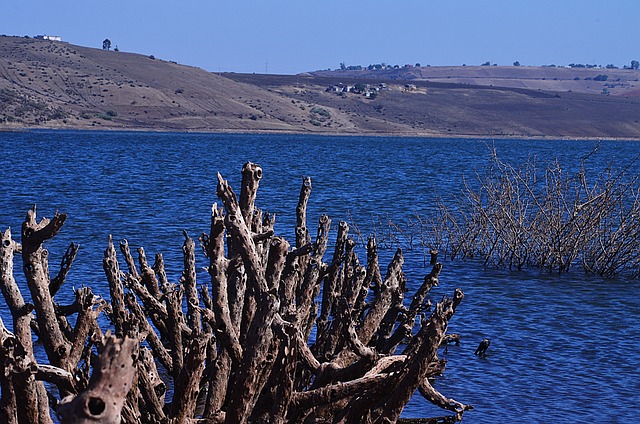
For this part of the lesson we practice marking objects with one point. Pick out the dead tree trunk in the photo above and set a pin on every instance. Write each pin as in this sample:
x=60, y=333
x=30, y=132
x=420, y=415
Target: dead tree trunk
x=244, y=351
x=21, y=382
x=110, y=382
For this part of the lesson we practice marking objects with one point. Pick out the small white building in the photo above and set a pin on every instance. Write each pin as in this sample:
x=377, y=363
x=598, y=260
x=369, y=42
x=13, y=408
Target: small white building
x=50, y=37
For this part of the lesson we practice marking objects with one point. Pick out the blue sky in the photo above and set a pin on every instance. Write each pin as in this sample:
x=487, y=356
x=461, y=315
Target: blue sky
x=292, y=36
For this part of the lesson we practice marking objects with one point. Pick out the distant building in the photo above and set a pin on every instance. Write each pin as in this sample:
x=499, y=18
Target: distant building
x=49, y=37
x=334, y=88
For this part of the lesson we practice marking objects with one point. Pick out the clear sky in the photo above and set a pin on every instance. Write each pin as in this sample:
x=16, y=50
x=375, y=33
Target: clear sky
x=292, y=36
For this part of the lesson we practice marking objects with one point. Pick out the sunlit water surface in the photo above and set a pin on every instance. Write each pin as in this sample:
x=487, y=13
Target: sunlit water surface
x=563, y=348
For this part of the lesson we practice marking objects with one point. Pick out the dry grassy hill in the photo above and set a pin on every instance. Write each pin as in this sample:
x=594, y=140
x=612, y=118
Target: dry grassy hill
x=59, y=85
x=463, y=109
x=45, y=83
x=616, y=82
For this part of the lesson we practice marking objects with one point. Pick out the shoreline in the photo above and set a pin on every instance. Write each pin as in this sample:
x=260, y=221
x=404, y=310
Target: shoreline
x=321, y=133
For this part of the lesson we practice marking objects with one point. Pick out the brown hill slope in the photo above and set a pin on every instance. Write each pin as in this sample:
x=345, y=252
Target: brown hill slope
x=58, y=85
x=44, y=83
x=462, y=109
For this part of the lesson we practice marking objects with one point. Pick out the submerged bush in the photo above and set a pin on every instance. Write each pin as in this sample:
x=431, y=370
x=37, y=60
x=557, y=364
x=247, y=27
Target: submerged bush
x=528, y=216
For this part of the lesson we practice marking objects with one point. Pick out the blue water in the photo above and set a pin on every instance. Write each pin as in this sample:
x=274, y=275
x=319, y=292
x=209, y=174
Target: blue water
x=563, y=348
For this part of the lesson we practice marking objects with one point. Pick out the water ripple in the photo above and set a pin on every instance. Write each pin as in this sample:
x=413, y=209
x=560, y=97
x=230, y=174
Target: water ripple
x=563, y=348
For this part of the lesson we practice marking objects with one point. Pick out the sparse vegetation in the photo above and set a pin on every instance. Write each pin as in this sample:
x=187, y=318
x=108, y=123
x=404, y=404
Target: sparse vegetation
x=58, y=114
x=322, y=112
x=108, y=115
x=359, y=88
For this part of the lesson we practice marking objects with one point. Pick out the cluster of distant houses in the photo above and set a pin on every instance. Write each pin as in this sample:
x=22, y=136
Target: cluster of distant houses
x=367, y=90
x=375, y=67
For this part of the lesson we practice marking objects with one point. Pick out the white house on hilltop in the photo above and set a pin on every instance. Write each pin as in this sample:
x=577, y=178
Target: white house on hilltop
x=49, y=37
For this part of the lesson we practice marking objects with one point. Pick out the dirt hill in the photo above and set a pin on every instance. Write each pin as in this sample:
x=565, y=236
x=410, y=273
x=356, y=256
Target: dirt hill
x=55, y=84
x=58, y=85
x=592, y=80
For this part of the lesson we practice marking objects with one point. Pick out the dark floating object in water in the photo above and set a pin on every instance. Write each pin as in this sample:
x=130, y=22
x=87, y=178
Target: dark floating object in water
x=482, y=348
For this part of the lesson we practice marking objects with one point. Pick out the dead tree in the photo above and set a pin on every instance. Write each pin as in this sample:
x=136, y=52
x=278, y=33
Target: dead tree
x=110, y=383
x=278, y=333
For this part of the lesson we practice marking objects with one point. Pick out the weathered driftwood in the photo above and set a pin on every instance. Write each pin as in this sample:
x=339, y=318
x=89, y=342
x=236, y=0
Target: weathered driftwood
x=257, y=343
x=110, y=383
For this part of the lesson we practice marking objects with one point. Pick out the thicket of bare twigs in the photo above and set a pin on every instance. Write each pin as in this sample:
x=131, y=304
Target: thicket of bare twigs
x=277, y=333
x=532, y=216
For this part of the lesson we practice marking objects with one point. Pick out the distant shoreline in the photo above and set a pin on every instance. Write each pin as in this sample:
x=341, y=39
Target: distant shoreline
x=322, y=134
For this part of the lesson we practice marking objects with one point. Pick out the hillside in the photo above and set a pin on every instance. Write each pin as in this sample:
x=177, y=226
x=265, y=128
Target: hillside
x=46, y=84
x=56, y=84
x=617, y=82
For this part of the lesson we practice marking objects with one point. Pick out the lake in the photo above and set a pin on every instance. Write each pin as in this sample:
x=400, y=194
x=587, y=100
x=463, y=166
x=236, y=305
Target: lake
x=563, y=348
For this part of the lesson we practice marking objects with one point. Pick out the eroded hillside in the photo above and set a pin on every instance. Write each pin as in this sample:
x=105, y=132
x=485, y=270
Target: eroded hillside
x=45, y=83
x=48, y=84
